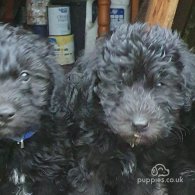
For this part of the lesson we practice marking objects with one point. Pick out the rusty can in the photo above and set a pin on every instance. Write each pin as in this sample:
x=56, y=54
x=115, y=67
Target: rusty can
x=37, y=12
x=64, y=48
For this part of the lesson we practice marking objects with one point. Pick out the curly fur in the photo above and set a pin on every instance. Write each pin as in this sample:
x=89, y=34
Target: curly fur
x=32, y=91
x=129, y=91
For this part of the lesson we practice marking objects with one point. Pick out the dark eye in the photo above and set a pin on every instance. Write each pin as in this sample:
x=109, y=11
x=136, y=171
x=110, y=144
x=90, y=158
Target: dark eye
x=124, y=74
x=24, y=76
x=159, y=84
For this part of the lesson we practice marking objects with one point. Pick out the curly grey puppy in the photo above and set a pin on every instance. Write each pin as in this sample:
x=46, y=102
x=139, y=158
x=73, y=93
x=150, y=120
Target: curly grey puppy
x=131, y=88
x=33, y=114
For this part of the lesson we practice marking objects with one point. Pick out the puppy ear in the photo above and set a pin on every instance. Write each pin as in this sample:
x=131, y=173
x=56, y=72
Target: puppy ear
x=86, y=70
x=81, y=83
x=187, y=59
x=184, y=61
x=46, y=52
x=57, y=98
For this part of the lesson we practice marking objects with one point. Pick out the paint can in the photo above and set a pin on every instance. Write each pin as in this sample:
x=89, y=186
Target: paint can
x=63, y=48
x=59, y=20
x=37, y=12
x=119, y=13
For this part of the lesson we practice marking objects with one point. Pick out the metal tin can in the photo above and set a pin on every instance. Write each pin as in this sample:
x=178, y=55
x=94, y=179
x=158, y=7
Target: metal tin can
x=37, y=12
x=64, y=48
x=59, y=20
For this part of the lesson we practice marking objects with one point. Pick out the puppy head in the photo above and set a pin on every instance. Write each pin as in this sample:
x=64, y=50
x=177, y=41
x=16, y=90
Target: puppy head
x=30, y=81
x=145, y=75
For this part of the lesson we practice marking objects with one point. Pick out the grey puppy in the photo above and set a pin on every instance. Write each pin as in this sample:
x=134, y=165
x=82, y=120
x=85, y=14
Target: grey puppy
x=33, y=114
x=131, y=88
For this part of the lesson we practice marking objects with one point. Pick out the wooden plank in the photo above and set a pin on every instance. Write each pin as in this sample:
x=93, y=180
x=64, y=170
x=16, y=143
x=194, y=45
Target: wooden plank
x=134, y=10
x=9, y=11
x=182, y=15
x=103, y=17
x=161, y=12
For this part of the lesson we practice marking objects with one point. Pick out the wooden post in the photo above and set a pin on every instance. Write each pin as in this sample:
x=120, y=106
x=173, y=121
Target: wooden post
x=9, y=11
x=103, y=17
x=161, y=12
x=182, y=15
x=134, y=10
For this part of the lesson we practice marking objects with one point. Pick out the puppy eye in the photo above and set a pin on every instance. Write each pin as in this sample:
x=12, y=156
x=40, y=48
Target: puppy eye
x=159, y=84
x=24, y=76
x=124, y=74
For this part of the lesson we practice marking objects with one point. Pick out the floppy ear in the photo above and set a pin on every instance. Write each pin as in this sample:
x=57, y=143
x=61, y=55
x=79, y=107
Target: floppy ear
x=57, y=106
x=184, y=61
x=89, y=64
x=187, y=59
x=83, y=78
x=57, y=98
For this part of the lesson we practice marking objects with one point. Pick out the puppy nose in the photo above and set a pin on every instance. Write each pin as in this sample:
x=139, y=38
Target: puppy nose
x=140, y=128
x=140, y=125
x=7, y=112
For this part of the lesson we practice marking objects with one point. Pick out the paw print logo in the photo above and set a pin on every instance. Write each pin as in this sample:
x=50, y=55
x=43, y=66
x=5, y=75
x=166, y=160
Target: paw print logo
x=160, y=170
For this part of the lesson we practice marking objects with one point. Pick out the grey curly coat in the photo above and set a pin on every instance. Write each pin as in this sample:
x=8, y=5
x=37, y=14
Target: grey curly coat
x=32, y=113
x=129, y=91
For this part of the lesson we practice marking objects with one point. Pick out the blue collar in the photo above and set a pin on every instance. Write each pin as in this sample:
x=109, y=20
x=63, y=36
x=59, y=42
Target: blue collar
x=25, y=136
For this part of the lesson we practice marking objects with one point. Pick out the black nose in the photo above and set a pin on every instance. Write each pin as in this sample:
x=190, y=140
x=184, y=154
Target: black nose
x=7, y=112
x=140, y=127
